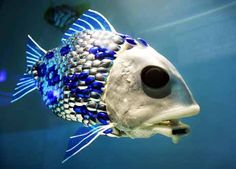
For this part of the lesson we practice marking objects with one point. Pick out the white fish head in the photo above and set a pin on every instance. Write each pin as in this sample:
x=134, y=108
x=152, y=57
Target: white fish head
x=146, y=95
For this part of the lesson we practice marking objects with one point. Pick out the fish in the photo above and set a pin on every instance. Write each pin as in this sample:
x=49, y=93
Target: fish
x=111, y=83
x=62, y=16
x=3, y=75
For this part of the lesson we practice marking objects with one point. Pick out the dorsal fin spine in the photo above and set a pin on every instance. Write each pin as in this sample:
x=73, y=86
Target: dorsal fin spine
x=90, y=20
x=100, y=18
x=95, y=23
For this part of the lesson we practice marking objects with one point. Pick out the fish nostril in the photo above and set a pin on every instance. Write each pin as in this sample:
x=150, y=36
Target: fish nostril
x=154, y=77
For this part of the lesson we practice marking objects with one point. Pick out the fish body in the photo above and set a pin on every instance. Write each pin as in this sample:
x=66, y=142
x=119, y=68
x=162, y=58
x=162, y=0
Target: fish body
x=112, y=83
x=72, y=77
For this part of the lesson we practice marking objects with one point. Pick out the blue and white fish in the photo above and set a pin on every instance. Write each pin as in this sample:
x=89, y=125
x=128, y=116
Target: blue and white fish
x=62, y=16
x=114, y=84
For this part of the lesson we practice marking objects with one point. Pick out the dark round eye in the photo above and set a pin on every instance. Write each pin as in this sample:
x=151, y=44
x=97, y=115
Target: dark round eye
x=154, y=77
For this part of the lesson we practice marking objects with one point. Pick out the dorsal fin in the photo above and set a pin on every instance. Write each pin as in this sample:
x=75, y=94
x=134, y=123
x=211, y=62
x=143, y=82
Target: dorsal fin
x=90, y=20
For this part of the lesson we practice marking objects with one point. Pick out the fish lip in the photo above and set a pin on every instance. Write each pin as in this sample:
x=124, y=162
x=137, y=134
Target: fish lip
x=175, y=132
x=172, y=127
x=175, y=114
x=170, y=124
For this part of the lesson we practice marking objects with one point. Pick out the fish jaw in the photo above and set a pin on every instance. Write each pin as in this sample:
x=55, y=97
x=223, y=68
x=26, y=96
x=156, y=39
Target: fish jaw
x=169, y=124
x=176, y=113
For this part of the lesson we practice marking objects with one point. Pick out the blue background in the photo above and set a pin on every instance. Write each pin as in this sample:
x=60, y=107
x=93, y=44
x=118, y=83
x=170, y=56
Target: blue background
x=199, y=37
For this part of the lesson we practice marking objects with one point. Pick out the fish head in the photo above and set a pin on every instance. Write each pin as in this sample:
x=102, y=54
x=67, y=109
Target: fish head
x=146, y=95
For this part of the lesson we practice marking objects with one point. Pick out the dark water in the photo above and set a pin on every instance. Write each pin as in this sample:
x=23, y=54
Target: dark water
x=199, y=37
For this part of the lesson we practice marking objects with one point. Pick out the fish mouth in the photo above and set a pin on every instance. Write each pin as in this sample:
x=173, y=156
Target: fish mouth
x=171, y=126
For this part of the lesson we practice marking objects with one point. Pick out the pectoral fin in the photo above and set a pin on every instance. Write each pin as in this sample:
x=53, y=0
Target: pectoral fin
x=83, y=138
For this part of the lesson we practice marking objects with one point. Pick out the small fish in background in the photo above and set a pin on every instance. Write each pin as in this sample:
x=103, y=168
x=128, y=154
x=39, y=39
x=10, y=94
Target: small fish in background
x=5, y=97
x=3, y=75
x=62, y=16
x=113, y=84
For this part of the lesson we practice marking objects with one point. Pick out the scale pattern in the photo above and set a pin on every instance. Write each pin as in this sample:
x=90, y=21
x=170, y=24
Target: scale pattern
x=72, y=78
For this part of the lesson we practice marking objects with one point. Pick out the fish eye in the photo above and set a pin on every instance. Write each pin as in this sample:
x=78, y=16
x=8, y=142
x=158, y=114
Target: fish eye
x=155, y=82
x=154, y=77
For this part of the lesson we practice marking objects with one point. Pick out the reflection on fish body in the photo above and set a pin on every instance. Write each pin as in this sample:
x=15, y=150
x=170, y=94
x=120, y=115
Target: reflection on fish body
x=115, y=85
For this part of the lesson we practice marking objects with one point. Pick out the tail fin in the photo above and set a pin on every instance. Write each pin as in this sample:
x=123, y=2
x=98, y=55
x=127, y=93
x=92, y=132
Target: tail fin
x=27, y=83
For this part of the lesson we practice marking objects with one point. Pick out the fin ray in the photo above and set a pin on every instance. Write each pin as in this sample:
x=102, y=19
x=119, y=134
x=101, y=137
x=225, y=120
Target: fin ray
x=22, y=89
x=31, y=55
x=31, y=58
x=101, y=19
x=83, y=134
x=80, y=141
x=25, y=93
x=84, y=24
x=95, y=22
x=24, y=84
x=33, y=52
x=27, y=83
x=24, y=81
x=83, y=139
x=90, y=20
